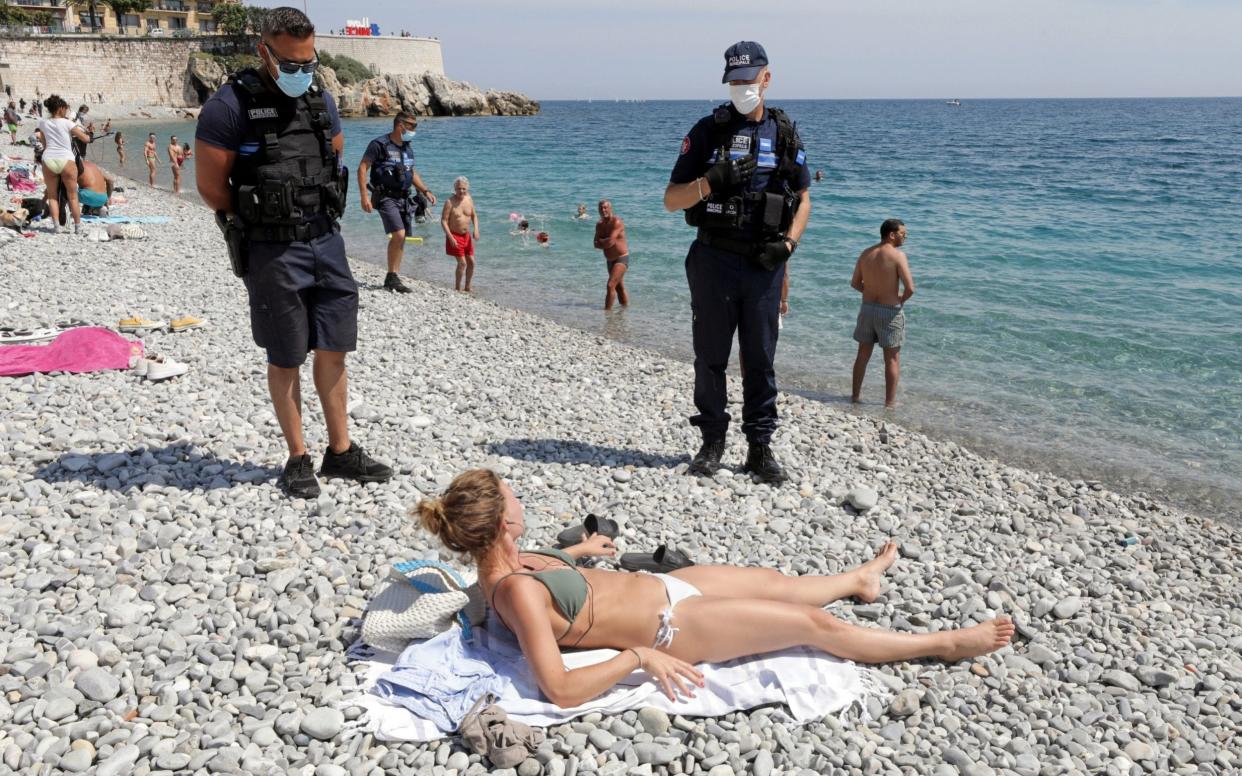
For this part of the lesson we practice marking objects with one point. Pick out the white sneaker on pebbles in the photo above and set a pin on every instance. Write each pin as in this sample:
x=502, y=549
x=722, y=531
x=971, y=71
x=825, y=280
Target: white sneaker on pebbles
x=160, y=368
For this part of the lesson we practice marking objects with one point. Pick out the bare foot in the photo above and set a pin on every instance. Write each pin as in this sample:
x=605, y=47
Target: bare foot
x=870, y=573
x=978, y=639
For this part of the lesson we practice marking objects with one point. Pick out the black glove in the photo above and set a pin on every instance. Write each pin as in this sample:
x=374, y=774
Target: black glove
x=730, y=173
x=774, y=254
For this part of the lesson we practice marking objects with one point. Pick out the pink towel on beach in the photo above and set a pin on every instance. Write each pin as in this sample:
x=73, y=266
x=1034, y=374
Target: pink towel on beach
x=76, y=350
x=20, y=182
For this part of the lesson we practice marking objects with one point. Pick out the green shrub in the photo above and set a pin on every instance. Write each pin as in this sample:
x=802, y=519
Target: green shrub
x=348, y=70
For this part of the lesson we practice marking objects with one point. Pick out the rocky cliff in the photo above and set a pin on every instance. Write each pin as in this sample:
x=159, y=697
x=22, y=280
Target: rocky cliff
x=428, y=94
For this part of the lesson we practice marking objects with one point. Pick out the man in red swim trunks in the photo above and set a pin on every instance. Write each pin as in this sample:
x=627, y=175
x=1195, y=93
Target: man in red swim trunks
x=458, y=219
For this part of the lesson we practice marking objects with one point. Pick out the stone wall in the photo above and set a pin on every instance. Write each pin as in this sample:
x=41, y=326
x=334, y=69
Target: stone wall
x=126, y=70
x=387, y=55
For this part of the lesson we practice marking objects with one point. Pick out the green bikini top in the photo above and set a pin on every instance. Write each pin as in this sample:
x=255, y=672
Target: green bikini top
x=567, y=587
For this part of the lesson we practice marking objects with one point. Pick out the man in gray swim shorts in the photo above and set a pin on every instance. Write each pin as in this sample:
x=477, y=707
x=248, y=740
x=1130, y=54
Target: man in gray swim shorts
x=882, y=274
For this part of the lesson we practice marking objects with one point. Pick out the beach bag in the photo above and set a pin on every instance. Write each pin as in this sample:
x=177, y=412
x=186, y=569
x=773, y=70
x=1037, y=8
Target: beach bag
x=422, y=599
x=489, y=732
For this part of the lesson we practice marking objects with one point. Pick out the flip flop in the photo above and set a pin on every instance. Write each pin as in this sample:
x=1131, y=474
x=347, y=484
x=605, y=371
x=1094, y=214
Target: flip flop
x=593, y=524
x=663, y=560
x=11, y=336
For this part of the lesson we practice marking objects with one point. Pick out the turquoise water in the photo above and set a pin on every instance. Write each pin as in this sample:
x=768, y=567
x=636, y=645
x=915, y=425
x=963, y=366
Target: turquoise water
x=1077, y=262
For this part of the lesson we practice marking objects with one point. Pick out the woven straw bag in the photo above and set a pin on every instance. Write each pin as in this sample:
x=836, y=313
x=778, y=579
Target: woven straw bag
x=423, y=599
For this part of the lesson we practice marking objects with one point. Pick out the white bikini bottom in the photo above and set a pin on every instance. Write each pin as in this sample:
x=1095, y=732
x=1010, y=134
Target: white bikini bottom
x=677, y=591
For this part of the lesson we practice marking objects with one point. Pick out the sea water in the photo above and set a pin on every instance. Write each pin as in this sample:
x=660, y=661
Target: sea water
x=1077, y=262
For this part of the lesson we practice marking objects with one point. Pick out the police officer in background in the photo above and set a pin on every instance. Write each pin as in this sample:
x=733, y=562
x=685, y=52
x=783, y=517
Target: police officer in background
x=268, y=145
x=742, y=180
x=387, y=171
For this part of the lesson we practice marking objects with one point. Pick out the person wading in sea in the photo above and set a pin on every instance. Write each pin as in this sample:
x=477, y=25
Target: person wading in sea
x=610, y=238
x=878, y=274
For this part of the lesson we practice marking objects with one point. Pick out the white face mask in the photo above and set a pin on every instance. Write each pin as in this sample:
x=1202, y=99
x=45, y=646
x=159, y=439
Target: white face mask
x=745, y=97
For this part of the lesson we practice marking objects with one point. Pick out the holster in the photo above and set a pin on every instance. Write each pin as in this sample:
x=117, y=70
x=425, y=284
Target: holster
x=235, y=240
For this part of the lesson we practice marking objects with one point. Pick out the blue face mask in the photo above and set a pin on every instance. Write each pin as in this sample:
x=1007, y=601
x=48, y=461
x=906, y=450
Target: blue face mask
x=294, y=84
x=407, y=136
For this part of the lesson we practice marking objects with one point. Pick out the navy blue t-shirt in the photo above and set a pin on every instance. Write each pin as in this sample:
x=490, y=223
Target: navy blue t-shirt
x=223, y=124
x=745, y=137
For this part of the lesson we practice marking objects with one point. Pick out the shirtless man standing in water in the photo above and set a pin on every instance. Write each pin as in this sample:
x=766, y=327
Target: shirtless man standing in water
x=457, y=219
x=174, y=162
x=878, y=273
x=152, y=156
x=610, y=238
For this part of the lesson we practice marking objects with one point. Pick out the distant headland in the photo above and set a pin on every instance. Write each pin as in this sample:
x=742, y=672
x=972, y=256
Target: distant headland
x=368, y=75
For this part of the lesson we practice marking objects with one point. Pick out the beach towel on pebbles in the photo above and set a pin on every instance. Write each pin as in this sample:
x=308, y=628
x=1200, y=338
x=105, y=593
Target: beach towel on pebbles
x=810, y=683
x=83, y=349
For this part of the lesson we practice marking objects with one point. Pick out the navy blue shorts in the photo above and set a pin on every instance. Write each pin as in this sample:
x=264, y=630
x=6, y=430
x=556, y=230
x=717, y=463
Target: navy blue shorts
x=302, y=298
x=394, y=213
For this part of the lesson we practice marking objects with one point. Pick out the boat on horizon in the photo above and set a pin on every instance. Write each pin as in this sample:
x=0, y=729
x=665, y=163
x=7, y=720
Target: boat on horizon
x=953, y=103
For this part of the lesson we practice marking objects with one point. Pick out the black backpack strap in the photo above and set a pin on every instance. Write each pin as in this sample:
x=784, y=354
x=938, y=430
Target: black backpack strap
x=320, y=122
x=788, y=144
x=251, y=96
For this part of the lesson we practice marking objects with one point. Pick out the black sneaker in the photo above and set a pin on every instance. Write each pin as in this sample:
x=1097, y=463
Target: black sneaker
x=354, y=464
x=392, y=282
x=707, y=460
x=298, y=479
x=761, y=462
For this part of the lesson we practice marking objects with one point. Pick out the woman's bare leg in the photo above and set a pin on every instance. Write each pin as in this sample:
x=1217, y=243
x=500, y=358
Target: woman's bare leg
x=52, y=181
x=69, y=179
x=862, y=583
x=719, y=629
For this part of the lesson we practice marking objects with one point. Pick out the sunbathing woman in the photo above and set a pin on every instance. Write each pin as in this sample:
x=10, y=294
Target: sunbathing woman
x=662, y=623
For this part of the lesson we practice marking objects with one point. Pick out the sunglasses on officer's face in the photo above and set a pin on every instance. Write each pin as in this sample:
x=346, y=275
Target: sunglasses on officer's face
x=289, y=68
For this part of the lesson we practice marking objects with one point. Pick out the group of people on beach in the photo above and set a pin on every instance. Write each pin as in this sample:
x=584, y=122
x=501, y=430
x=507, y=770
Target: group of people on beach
x=59, y=140
x=304, y=299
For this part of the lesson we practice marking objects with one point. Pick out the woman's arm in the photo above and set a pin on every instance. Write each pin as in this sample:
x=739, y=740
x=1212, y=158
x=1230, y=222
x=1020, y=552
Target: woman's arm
x=595, y=544
x=525, y=607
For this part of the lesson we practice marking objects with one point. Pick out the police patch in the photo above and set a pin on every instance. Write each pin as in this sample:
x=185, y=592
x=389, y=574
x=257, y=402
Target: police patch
x=741, y=143
x=263, y=113
x=685, y=144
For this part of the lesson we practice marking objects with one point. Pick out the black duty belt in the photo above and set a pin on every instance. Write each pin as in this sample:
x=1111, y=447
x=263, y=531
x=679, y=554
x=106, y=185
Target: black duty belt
x=299, y=233
x=740, y=247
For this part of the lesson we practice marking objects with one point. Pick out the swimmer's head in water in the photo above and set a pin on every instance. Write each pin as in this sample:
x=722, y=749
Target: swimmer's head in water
x=523, y=224
x=542, y=237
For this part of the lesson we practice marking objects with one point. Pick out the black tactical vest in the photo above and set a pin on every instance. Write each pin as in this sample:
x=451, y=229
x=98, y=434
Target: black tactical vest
x=391, y=177
x=746, y=217
x=294, y=179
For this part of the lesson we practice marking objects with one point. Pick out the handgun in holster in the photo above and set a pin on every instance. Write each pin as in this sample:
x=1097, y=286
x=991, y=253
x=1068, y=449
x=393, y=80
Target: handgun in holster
x=235, y=240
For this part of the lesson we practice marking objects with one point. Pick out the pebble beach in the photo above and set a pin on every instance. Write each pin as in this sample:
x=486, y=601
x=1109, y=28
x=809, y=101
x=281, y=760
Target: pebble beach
x=164, y=609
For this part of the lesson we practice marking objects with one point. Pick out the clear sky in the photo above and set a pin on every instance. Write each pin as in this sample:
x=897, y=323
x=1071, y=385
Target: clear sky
x=563, y=49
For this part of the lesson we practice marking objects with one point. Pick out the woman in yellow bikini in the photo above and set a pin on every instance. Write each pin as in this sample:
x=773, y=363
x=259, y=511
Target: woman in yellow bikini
x=56, y=134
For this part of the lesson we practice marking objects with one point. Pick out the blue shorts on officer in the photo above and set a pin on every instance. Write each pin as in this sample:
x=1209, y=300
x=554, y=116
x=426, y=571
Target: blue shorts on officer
x=736, y=265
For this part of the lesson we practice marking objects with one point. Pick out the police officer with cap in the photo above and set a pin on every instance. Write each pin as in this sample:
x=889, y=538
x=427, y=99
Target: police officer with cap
x=268, y=146
x=387, y=172
x=743, y=182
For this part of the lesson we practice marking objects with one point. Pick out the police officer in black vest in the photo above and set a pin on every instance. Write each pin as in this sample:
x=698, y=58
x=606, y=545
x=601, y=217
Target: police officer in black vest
x=387, y=173
x=742, y=180
x=268, y=146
